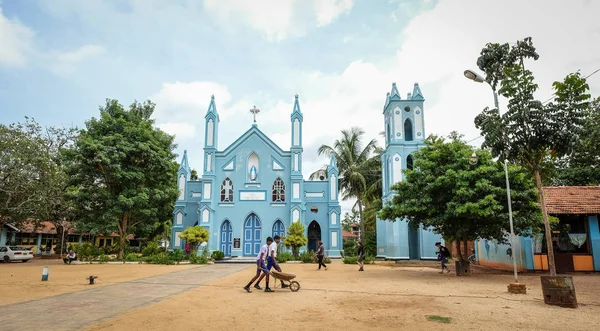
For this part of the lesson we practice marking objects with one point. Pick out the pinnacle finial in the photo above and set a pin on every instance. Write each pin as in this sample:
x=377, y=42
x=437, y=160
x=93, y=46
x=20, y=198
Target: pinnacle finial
x=296, y=95
x=212, y=97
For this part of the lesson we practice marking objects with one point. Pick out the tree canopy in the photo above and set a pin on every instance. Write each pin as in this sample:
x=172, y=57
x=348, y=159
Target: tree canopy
x=459, y=200
x=195, y=236
x=123, y=172
x=530, y=130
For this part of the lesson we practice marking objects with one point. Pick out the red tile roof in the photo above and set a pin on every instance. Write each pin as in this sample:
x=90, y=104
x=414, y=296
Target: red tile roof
x=348, y=234
x=563, y=200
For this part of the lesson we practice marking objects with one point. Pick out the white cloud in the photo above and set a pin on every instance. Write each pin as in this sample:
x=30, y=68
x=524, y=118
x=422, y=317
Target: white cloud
x=15, y=41
x=328, y=11
x=65, y=63
x=277, y=20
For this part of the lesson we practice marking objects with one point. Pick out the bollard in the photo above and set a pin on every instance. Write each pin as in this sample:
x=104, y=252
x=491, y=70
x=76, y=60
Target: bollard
x=91, y=279
x=45, y=273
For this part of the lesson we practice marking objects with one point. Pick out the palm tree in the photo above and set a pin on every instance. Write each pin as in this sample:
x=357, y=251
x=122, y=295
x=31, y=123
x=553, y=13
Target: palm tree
x=352, y=160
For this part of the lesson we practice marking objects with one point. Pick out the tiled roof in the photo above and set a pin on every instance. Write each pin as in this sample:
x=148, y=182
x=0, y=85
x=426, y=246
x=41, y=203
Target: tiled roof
x=348, y=234
x=562, y=200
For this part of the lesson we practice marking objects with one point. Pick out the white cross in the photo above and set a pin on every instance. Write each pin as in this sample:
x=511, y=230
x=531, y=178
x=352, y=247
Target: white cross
x=228, y=186
x=254, y=111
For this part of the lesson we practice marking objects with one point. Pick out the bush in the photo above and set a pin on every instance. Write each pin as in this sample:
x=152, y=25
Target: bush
x=283, y=257
x=152, y=249
x=103, y=258
x=86, y=251
x=195, y=259
x=131, y=257
x=177, y=255
x=160, y=258
x=307, y=256
x=354, y=259
x=217, y=255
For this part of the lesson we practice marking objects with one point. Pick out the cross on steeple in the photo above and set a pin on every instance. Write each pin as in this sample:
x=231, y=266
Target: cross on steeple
x=254, y=111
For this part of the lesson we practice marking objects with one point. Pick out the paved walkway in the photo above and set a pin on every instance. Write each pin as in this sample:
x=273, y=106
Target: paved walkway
x=76, y=310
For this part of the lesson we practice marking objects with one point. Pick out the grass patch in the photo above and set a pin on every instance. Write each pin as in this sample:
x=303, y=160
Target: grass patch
x=440, y=319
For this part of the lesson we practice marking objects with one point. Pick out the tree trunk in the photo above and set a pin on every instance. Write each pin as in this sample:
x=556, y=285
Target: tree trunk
x=58, y=248
x=538, y=182
x=122, y=235
x=362, y=222
x=459, y=253
x=466, y=248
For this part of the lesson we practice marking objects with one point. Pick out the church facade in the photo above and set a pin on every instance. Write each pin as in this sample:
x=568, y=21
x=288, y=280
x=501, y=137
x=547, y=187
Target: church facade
x=254, y=189
x=404, y=134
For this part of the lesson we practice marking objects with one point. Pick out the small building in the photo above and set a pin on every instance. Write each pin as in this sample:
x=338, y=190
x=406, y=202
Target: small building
x=576, y=238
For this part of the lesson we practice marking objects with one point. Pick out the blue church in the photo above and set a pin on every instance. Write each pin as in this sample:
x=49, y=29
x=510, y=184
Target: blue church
x=254, y=189
x=404, y=134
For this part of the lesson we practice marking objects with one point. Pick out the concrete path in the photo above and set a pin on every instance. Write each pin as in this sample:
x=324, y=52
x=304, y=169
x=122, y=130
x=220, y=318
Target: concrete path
x=76, y=310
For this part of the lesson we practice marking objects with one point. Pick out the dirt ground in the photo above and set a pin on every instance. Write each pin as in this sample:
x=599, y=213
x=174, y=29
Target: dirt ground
x=22, y=281
x=383, y=297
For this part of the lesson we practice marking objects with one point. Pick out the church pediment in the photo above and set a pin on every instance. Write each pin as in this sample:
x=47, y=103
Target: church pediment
x=253, y=136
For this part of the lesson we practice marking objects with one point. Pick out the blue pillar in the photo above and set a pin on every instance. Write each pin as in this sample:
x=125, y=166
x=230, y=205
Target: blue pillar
x=3, y=236
x=527, y=253
x=594, y=232
x=80, y=238
x=39, y=244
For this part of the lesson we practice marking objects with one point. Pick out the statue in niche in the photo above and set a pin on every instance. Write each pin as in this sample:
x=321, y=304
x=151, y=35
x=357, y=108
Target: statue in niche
x=253, y=173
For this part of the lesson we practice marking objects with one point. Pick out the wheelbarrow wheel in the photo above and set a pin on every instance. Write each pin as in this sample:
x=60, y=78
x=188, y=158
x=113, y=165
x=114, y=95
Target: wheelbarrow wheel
x=294, y=286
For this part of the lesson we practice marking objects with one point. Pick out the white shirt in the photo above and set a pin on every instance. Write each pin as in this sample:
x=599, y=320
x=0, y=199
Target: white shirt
x=263, y=251
x=273, y=247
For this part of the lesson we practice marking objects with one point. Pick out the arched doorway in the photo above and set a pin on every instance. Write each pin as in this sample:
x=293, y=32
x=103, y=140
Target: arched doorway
x=226, y=237
x=314, y=235
x=252, y=235
x=278, y=229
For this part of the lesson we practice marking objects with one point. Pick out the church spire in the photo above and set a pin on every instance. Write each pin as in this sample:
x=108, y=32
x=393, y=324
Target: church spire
x=212, y=109
x=394, y=91
x=417, y=95
x=184, y=163
x=296, y=107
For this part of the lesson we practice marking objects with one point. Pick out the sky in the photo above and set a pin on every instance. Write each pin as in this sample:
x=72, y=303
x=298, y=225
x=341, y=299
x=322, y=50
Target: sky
x=60, y=60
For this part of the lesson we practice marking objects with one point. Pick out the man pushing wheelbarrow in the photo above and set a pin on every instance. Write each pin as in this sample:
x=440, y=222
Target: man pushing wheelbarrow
x=271, y=249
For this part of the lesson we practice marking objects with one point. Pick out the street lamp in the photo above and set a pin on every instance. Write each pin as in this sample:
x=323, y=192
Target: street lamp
x=472, y=75
x=473, y=159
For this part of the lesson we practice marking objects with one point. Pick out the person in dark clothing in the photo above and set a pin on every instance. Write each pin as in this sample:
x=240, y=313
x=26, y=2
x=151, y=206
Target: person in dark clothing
x=361, y=256
x=443, y=255
x=320, y=255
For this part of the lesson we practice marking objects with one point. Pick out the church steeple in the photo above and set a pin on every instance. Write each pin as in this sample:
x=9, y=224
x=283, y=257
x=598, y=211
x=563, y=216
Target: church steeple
x=184, y=164
x=417, y=95
x=394, y=91
x=297, y=120
x=212, y=125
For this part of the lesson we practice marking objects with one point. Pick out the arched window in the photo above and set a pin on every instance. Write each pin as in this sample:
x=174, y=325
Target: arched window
x=409, y=162
x=389, y=133
x=278, y=190
x=227, y=190
x=408, y=130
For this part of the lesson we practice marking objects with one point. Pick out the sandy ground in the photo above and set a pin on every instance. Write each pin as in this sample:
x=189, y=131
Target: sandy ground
x=383, y=297
x=22, y=281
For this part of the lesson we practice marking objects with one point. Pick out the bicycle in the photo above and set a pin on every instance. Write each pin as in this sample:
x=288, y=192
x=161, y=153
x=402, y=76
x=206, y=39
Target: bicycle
x=472, y=259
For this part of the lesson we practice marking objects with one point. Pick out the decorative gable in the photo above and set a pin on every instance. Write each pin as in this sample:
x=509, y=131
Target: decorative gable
x=230, y=166
x=276, y=165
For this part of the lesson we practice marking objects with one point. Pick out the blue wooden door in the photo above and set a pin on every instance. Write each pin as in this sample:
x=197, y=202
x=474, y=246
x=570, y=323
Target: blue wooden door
x=252, y=235
x=226, y=238
x=278, y=229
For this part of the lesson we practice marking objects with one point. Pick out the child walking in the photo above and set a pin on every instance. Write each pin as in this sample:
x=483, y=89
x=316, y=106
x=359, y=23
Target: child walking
x=361, y=256
x=260, y=266
x=443, y=254
x=320, y=255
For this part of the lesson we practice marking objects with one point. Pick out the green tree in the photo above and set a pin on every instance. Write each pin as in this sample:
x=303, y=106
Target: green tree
x=295, y=238
x=530, y=130
x=32, y=169
x=462, y=201
x=23, y=164
x=582, y=166
x=194, y=175
x=195, y=236
x=122, y=171
x=351, y=156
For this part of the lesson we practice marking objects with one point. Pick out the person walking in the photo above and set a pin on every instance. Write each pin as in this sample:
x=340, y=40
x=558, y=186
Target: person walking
x=361, y=256
x=321, y=255
x=272, y=262
x=443, y=255
x=260, y=266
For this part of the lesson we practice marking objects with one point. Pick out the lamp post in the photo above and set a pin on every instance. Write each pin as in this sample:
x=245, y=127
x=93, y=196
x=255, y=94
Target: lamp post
x=472, y=75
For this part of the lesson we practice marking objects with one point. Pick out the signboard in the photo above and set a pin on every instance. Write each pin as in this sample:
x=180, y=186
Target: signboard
x=253, y=195
x=236, y=243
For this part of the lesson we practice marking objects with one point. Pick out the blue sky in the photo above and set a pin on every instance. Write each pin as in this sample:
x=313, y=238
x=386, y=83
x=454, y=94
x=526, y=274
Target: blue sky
x=59, y=60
